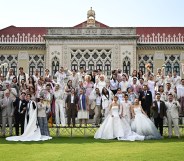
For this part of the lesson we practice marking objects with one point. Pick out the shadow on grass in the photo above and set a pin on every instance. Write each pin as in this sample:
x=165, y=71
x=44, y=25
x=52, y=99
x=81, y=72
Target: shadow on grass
x=87, y=140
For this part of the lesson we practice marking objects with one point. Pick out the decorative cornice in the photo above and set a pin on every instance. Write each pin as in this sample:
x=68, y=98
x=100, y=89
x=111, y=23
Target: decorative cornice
x=92, y=31
x=161, y=38
x=65, y=37
x=21, y=47
x=22, y=38
x=160, y=47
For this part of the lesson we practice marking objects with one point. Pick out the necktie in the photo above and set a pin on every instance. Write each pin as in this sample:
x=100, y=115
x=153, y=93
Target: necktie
x=145, y=93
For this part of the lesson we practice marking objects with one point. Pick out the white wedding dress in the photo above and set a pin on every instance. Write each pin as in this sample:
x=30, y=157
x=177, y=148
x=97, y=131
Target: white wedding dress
x=31, y=130
x=142, y=125
x=114, y=127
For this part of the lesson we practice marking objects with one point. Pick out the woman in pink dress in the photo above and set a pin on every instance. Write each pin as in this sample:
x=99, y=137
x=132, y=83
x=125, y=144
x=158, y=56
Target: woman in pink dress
x=88, y=85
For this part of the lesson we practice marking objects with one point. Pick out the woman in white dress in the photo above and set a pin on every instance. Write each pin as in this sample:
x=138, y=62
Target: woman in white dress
x=151, y=85
x=31, y=129
x=106, y=101
x=114, y=127
x=141, y=124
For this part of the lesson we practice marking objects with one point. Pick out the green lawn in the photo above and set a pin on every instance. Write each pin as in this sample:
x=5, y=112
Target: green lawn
x=77, y=149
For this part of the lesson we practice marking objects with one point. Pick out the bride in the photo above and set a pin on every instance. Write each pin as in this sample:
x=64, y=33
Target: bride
x=31, y=128
x=115, y=127
x=141, y=124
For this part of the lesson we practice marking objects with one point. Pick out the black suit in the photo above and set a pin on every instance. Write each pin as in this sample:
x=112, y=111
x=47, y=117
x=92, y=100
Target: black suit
x=146, y=101
x=71, y=109
x=159, y=114
x=93, y=78
x=19, y=114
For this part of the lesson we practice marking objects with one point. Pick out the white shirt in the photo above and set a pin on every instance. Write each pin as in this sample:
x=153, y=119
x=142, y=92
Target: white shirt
x=113, y=84
x=180, y=91
x=60, y=77
x=123, y=85
x=158, y=103
x=72, y=98
x=98, y=100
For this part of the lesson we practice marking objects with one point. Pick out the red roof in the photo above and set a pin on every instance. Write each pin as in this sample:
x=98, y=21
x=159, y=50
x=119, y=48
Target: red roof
x=98, y=24
x=167, y=30
x=13, y=30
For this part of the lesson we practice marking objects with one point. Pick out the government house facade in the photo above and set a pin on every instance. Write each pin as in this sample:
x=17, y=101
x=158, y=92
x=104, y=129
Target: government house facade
x=93, y=45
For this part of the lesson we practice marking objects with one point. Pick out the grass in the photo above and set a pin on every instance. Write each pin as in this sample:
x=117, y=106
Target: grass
x=89, y=149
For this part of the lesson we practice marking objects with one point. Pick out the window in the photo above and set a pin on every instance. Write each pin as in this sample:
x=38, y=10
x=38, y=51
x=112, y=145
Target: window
x=91, y=59
x=55, y=65
x=176, y=67
x=172, y=64
x=14, y=67
x=74, y=65
x=40, y=68
x=107, y=68
x=126, y=65
x=91, y=66
x=142, y=67
x=99, y=65
x=32, y=67
x=83, y=64
x=168, y=68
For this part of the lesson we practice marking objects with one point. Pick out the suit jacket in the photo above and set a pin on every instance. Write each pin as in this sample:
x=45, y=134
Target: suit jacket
x=146, y=101
x=68, y=100
x=16, y=105
x=8, y=109
x=173, y=109
x=162, y=109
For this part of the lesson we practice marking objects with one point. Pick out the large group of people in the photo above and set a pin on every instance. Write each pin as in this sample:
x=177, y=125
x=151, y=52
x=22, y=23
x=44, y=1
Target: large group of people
x=126, y=107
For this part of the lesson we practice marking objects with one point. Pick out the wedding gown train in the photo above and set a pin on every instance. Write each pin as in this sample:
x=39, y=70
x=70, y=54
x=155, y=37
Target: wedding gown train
x=114, y=127
x=31, y=130
x=142, y=125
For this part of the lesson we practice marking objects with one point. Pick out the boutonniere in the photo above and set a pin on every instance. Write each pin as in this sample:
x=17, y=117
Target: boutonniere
x=148, y=94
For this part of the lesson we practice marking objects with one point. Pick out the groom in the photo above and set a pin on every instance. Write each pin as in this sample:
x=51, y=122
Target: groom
x=146, y=99
x=159, y=112
x=20, y=105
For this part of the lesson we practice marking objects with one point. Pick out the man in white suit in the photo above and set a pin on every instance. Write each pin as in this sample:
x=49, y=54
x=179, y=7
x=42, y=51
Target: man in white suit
x=172, y=115
x=7, y=112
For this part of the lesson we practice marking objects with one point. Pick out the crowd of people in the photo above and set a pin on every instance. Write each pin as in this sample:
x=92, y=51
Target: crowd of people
x=127, y=107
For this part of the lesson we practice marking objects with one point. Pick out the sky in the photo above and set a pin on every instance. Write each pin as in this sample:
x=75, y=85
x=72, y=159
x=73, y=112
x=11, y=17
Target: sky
x=114, y=13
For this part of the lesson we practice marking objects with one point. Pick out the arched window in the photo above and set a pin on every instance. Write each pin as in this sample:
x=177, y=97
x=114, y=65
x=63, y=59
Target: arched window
x=126, y=65
x=168, y=68
x=83, y=64
x=74, y=65
x=14, y=67
x=176, y=67
x=151, y=66
x=107, y=68
x=55, y=65
x=142, y=67
x=91, y=66
x=32, y=67
x=99, y=65
x=40, y=67
x=5, y=69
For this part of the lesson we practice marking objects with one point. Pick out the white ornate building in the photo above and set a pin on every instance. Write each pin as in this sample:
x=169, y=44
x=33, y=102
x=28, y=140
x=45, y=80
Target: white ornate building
x=93, y=45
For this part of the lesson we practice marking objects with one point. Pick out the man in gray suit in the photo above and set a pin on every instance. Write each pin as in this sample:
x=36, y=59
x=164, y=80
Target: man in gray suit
x=7, y=112
x=172, y=115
